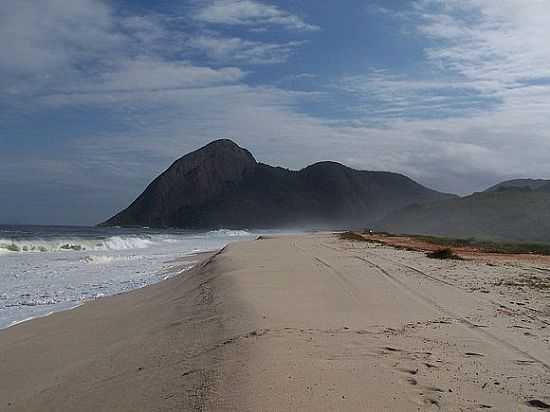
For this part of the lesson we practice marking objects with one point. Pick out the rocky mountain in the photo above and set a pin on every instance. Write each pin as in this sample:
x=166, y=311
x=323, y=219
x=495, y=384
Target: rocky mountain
x=508, y=213
x=222, y=185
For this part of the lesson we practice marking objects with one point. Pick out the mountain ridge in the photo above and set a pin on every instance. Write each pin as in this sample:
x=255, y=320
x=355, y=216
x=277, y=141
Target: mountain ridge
x=222, y=184
x=525, y=184
x=512, y=214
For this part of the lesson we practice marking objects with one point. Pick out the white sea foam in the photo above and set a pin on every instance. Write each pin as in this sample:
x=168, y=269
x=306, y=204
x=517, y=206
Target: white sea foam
x=75, y=244
x=44, y=315
x=122, y=243
x=228, y=233
x=125, y=242
x=17, y=322
x=55, y=269
x=106, y=259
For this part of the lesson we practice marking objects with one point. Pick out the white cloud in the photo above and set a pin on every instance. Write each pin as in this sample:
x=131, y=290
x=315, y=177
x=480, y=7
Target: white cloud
x=250, y=13
x=384, y=95
x=235, y=49
x=143, y=74
x=490, y=54
x=59, y=47
x=167, y=107
x=479, y=107
x=482, y=51
x=503, y=41
x=39, y=36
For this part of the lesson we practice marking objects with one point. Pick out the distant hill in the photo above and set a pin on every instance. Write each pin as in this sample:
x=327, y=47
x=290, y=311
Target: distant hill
x=508, y=213
x=222, y=185
x=522, y=184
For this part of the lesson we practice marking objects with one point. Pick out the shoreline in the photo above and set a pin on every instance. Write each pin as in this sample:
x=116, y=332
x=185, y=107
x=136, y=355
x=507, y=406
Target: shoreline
x=306, y=322
x=18, y=322
x=175, y=270
x=115, y=339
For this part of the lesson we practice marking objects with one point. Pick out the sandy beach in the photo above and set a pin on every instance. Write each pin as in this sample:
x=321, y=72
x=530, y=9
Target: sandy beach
x=297, y=323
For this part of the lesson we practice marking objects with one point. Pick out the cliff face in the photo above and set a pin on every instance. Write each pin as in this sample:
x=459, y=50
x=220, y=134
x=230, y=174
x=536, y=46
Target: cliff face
x=222, y=185
x=191, y=182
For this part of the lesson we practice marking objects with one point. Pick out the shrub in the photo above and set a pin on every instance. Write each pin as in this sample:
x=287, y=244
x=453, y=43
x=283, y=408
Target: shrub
x=444, y=253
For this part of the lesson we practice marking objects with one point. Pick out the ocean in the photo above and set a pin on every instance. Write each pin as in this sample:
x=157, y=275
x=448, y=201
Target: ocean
x=44, y=269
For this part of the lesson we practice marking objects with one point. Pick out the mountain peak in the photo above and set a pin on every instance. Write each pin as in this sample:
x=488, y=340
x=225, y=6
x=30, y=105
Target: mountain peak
x=221, y=150
x=222, y=143
x=222, y=185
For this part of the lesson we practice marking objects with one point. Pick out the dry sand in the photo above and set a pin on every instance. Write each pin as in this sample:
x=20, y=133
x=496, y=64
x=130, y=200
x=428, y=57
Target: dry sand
x=291, y=324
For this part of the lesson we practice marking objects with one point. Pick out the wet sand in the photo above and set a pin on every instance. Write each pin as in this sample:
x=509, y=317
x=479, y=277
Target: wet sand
x=290, y=324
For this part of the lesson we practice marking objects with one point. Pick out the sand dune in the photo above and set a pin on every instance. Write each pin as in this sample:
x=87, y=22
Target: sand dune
x=291, y=324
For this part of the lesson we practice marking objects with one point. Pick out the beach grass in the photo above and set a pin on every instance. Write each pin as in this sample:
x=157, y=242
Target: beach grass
x=444, y=253
x=357, y=237
x=487, y=246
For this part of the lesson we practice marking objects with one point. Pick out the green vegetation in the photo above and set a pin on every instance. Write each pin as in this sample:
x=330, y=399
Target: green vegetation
x=487, y=246
x=484, y=246
x=510, y=216
x=354, y=236
x=381, y=233
x=444, y=241
x=444, y=253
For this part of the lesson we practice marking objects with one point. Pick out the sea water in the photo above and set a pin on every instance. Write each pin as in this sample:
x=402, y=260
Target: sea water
x=44, y=269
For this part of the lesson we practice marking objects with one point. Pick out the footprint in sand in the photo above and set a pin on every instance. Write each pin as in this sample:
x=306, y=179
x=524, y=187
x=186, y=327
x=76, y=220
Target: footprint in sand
x=412, y=381
x=432, y=402
x=536, y=403
x=409, y=371
x=474, y=354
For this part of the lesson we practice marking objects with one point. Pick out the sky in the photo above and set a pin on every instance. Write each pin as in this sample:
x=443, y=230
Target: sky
x=98, y=97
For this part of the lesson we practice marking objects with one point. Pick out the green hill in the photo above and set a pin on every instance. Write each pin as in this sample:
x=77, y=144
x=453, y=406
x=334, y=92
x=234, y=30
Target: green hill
x=503, y=214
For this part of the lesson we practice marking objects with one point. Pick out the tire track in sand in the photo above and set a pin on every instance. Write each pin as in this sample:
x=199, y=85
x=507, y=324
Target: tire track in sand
x=445, y=310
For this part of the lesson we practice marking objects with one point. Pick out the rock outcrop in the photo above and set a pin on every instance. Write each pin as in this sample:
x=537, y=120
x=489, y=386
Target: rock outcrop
x=222, y=185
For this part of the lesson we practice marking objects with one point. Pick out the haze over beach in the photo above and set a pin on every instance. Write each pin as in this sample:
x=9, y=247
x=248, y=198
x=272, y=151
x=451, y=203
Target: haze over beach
x=271, y=205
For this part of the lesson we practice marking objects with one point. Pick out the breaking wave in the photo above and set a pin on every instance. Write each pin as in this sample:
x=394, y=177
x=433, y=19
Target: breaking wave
x=228, y=233
x=112, y=243
x=75, y=244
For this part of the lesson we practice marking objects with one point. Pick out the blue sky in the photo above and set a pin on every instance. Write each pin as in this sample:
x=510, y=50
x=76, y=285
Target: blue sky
x=98, y=97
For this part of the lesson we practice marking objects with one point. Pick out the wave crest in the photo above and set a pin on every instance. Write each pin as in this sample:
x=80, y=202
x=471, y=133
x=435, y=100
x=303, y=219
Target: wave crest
x=65, y=245
x=112, y=243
